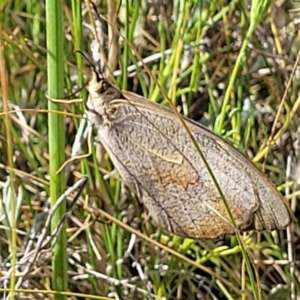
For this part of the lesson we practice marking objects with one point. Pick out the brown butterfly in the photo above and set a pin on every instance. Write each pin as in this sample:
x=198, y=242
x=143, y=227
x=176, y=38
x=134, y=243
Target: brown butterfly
x=153, y=153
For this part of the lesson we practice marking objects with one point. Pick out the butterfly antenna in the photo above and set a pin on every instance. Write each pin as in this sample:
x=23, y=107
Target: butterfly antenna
x=94, y=68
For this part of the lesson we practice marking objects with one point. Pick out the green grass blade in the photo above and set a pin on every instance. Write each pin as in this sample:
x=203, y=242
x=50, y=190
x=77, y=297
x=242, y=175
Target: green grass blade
x=55, y=73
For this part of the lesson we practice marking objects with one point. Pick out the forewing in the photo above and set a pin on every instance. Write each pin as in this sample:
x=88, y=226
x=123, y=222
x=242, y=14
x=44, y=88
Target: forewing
x=153, y=153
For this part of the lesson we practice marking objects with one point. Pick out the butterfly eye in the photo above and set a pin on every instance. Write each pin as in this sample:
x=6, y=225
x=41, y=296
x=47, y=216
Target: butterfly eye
x=104, y=86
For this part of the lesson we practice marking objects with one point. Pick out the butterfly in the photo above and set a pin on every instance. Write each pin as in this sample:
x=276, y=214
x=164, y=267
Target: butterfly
x=158, y=161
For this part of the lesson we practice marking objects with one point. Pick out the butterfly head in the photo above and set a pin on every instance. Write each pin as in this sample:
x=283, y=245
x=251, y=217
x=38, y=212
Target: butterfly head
x=100, y=107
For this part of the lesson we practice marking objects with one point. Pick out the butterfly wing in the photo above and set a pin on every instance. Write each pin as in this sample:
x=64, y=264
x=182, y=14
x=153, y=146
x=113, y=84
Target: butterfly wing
x=153, y=153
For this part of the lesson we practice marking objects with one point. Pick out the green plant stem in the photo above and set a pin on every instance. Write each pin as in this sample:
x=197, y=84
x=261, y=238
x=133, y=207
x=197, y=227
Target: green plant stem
x=241, y=56
x=55, y=72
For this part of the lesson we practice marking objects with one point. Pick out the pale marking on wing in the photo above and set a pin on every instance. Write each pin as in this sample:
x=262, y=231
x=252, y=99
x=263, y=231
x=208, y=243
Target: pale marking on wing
x=176, y=159
x=168, y=177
